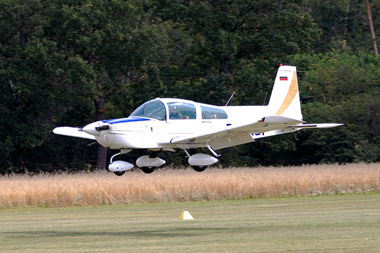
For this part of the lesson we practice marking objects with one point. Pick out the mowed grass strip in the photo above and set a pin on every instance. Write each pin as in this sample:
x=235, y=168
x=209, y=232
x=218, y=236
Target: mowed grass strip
x=348, y=223
x=186, y=185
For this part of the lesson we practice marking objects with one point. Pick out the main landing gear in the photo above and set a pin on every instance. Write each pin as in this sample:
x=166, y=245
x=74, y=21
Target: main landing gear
x=148, y=163
x=199, y=168
x=199, y=162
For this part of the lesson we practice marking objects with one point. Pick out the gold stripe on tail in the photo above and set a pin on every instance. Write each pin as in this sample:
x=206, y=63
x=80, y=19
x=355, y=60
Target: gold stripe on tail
x=293, y=89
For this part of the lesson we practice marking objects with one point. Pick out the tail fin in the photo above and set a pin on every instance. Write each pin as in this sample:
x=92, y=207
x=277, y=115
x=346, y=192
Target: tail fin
x=285, y=99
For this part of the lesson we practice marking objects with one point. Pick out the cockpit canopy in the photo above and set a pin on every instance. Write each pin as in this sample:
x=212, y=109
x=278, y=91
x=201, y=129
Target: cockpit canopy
x=153, y=109
x=177, y=109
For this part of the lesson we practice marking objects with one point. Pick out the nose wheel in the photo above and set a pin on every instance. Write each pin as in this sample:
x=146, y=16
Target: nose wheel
x=119, y=167
x=119, y=173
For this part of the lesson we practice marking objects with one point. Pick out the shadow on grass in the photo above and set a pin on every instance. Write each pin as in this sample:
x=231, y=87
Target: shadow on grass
x=136, y=233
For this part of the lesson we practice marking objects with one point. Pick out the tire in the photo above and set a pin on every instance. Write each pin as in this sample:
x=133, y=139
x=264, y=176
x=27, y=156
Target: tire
x=148, y=170
x=119, y=173
x=199, y=168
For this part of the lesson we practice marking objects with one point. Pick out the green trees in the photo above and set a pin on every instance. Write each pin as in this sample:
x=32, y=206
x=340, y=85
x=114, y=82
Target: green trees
x=66, y=62
x=57, y=59
x=234, y=40
x=344, y=87
x=26, y=81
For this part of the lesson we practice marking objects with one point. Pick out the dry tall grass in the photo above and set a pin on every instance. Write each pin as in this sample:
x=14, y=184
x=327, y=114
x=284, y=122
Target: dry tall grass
x=187, y=185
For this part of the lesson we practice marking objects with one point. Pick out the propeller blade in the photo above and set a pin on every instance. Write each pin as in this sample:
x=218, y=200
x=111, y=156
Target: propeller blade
x=101, y=128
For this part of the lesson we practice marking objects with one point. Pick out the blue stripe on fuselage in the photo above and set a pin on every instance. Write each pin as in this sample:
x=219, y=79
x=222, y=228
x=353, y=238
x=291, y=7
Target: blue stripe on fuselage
x=123, y=120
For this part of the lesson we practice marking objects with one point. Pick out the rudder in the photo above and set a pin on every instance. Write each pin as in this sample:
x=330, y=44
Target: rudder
x=285, y=99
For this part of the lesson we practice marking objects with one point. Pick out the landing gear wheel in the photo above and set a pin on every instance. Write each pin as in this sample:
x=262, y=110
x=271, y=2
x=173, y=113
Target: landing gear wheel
x=199, y=168
x=148, y=170
x=119, y=173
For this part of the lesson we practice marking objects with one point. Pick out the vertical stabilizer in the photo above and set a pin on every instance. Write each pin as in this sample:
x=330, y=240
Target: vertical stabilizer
x=285, y=98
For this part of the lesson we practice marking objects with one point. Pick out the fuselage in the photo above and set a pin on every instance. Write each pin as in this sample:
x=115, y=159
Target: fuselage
x=162, y=120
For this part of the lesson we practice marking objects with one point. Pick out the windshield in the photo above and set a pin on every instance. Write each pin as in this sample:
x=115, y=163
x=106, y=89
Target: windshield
x=152, y=109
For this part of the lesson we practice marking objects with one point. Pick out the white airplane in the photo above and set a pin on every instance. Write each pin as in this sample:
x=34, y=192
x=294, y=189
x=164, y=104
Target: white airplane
x=166, y=124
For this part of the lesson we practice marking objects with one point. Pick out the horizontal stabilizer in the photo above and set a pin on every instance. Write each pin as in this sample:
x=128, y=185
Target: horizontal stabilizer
x=317, y=125
x=73, y=132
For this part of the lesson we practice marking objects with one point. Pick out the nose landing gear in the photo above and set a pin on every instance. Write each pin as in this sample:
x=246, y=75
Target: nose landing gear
x=120, y=167
x=119, y=173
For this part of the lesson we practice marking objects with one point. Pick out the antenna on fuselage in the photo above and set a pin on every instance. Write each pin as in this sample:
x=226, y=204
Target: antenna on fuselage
x=265, y=98
x=230, y=98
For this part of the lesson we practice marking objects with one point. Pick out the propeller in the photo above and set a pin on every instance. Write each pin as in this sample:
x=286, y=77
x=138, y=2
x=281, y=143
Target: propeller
x=95, y=128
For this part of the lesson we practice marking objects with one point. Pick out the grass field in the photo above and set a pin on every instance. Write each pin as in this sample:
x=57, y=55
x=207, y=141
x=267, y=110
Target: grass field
x=186, y=185
x=339, y=223
x=298, y=209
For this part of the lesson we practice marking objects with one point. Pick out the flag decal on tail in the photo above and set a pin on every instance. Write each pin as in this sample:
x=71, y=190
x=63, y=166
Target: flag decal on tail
x=283, y=78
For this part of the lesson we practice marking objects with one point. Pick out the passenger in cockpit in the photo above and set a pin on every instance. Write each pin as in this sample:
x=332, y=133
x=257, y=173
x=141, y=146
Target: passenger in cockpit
x=174, y=113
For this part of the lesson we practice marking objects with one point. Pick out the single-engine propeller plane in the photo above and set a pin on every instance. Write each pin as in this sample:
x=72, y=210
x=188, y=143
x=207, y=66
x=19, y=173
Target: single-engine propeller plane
x=166, y=124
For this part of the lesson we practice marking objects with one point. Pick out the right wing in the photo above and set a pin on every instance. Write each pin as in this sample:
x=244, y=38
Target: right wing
x=293, y=128
x=271, y=125
x=73, y=132
x=243, y=131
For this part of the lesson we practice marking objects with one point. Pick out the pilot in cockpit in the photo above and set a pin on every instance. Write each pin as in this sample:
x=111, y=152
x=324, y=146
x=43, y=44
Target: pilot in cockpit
x=174, y=113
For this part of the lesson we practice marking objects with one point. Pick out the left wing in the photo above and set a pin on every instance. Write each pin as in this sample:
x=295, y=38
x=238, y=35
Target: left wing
x=73, y=132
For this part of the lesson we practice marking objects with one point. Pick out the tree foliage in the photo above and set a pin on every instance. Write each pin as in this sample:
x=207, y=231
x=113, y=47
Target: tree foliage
x=65, y=62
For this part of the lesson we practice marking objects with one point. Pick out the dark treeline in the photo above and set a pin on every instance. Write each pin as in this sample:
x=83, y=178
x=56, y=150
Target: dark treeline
x=71, y=62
